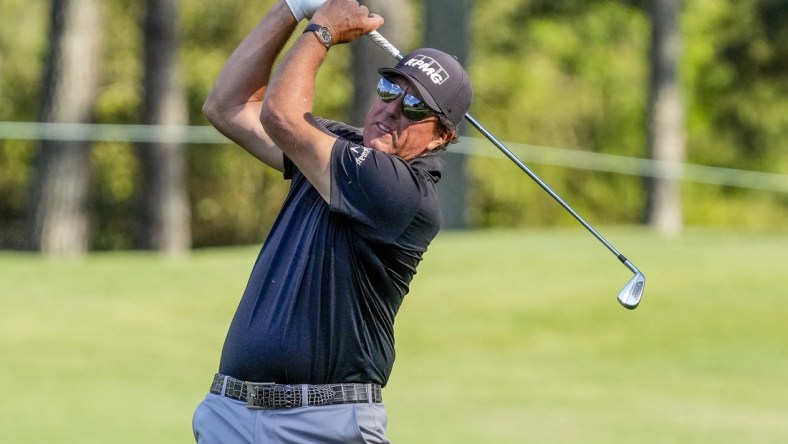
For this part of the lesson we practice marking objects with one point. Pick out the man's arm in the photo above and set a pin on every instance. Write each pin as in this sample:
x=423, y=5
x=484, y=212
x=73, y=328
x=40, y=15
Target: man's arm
x=286, y=113
x=235, y=102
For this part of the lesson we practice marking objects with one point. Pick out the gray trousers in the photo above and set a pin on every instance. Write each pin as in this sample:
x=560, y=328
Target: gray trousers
x=223, y=420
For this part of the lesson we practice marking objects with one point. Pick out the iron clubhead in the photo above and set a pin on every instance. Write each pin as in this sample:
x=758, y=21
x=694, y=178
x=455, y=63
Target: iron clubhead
x=630, y=295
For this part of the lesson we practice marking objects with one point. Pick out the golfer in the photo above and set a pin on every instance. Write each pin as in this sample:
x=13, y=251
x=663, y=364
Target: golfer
x=311, y=344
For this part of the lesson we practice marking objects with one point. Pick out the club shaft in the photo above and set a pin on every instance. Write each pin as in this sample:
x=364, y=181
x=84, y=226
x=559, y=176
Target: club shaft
x=394, y=52
x=475, y=123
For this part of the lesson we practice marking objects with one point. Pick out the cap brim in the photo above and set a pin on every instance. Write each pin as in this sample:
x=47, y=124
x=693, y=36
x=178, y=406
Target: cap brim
x=425, y=95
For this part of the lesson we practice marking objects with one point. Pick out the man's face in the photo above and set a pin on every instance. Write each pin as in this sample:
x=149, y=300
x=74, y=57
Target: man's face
x=387, y=130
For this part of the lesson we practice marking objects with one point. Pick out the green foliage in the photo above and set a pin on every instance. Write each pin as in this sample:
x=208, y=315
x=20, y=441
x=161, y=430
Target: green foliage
x=577, y=81
x=15, y=173
x=114, y=167
x=741, y=84
x=21, y=55
x=234, y=197
x=121, y=92
x=20, y=73
x=738, y=83
x=566, y=73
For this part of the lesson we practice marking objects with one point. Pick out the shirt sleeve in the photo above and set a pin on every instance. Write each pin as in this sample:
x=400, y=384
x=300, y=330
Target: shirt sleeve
x=378, y=192
x=339, y=129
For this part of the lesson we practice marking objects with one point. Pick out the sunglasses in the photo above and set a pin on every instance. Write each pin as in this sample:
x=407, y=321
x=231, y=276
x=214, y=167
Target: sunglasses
x=413, y=108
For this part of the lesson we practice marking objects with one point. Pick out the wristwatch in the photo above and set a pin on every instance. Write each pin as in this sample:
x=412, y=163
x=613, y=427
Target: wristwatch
x=322, y=33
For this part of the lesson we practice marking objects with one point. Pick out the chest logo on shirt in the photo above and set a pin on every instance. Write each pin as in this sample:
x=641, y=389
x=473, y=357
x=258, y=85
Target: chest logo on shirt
x=360, y=158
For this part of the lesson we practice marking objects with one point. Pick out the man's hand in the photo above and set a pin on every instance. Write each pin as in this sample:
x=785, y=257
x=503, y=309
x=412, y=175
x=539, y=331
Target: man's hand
x=304, y=9
x=346, y=19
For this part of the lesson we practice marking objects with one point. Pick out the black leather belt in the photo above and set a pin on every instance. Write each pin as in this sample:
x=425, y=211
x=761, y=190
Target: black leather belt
x=268, y=395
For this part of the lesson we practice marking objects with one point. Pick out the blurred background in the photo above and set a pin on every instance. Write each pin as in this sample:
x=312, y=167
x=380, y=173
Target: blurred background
x=663, y=122
x=663, y=113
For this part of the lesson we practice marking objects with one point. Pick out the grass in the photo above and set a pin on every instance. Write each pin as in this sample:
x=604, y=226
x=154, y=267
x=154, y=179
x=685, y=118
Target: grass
x=506, y=337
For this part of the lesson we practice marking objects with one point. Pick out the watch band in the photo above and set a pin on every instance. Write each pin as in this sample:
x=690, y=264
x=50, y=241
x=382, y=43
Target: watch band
x=322, y=33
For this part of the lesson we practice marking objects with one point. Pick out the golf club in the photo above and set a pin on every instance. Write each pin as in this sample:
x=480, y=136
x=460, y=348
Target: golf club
x=630, y=295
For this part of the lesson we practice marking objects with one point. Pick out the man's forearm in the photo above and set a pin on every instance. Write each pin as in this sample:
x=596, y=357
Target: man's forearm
x=290, y=98
x=293, y=86
x=286, y=112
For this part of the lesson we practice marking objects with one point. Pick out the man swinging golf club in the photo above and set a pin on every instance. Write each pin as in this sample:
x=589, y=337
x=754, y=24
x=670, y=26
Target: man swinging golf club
x=311, y=343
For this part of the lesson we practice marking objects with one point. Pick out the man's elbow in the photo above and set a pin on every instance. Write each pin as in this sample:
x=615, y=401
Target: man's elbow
x=276, y=123
x=220, y=116
x=211, y=111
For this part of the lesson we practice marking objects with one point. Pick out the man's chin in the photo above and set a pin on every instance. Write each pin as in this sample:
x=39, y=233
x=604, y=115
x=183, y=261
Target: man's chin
x=378, y=145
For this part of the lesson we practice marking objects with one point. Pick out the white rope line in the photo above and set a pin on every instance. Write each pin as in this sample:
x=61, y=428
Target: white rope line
x=476, y=146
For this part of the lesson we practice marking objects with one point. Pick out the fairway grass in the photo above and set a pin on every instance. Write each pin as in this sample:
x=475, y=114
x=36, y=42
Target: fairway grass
x=506, y=337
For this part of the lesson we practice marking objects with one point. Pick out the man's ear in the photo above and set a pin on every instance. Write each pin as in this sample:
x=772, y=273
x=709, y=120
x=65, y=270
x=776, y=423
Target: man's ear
x=441, y=138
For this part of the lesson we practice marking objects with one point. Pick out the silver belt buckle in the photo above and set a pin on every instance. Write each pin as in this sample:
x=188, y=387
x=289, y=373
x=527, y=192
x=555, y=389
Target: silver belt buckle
x=253, y=395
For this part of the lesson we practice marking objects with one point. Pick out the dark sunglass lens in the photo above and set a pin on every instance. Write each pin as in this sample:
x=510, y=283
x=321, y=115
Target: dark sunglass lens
x=388, y=90
x=414, y=108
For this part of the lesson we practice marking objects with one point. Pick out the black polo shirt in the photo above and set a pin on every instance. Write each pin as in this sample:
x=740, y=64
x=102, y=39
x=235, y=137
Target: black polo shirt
x=320, y=303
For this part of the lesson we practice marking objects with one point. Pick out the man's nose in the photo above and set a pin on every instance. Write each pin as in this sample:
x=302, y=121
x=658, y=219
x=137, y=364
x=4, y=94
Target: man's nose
x=394, y=107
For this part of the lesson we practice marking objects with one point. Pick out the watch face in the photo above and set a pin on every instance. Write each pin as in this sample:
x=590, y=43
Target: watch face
x=325, y=36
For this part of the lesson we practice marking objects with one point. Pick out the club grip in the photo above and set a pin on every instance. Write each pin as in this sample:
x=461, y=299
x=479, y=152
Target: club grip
x=385, y=44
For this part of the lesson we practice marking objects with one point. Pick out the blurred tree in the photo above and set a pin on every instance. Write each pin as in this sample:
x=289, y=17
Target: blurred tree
x=665, y=118
x=164, y=217
x=58, y=213
x=21, y=42
x=565, y=74
x=447, y=27
x=742, y=83
x=737, y=70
